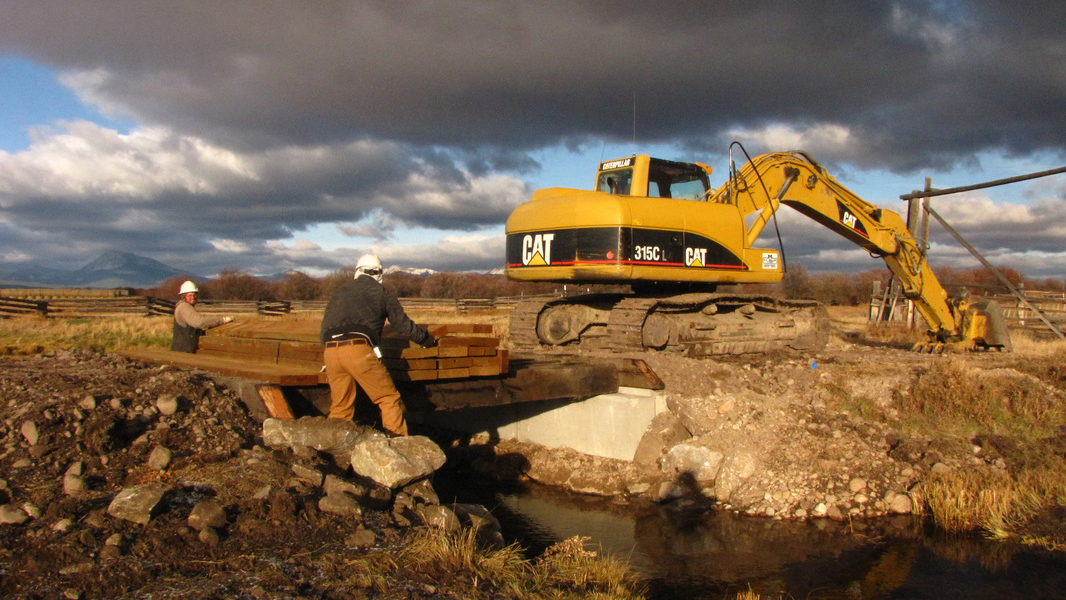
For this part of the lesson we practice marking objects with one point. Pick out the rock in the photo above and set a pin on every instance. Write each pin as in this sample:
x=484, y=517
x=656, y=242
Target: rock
x=422, y=492
x=63, y=525
x=30, y=433
x=208, y=536
x=361, y=538
x=137, y=503
x=160, y=458
x=728, y=404
x=900, y=504
x=39, y=450
x=335, y=436
x=88, y=402
x=110, y=553
x=167, y=404
x=308, y=474
x=691, y=414
x=32, y=510
x=12, y=515
x=207, y=514
x=664, y=432
x=834, y=512
x=701, y=463
x=478, y=518
x=735, y=472
x=340, y=504
x=857, y=484
x=940, y=469
x=335, y=485
x=440, y=517
x=395, y=462
x=73, y=485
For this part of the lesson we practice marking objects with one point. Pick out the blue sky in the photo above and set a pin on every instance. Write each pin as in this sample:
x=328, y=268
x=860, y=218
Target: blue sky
x=275, y=137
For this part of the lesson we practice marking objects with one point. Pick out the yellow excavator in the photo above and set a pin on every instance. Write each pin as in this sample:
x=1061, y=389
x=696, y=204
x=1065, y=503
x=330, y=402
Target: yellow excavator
x=659, y=228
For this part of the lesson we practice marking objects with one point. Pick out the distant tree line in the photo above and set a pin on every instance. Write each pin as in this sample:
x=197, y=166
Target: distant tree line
x=842, y=289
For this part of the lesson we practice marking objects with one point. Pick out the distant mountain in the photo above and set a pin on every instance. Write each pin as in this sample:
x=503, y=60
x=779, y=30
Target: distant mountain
x=410, y=271
x=112, y=269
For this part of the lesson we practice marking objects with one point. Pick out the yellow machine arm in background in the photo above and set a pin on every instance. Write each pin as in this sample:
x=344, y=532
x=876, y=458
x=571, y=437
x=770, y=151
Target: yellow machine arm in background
x=795, y=179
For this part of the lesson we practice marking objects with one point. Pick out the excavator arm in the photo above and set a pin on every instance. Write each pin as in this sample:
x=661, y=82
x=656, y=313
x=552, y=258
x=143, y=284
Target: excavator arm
x=796, y=180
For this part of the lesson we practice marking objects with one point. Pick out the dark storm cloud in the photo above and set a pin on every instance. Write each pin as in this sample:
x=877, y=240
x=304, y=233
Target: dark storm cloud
x=921, y=82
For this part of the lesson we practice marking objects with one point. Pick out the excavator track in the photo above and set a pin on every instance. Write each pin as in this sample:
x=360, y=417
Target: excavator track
x=699, y=324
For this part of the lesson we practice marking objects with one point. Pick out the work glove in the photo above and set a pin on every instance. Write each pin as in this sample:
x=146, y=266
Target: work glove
x=227, y=320
x=430, y=343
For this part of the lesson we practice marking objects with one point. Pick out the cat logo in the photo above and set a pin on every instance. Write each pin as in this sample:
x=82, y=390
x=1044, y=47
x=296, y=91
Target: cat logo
x=695, y=257
x=537, y=249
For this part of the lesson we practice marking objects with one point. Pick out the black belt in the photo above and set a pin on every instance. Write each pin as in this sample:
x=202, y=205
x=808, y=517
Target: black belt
x=351, y=342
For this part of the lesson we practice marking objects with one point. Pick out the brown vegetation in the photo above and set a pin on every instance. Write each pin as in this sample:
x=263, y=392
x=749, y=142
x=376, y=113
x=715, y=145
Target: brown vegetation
x=832, y=289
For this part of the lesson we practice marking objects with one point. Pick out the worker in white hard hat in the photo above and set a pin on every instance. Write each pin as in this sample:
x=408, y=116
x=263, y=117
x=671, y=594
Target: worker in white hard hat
x=351, y=330
x=189, y=324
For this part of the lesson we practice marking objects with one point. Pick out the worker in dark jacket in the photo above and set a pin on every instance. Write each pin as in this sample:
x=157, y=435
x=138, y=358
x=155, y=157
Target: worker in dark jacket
x=351, y=331
x=189, y=324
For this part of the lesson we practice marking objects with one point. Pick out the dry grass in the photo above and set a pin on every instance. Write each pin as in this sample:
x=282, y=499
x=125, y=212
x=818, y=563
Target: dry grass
x=566, y=570
x=956, y=397
x=31, y=335
x=995, y=502
x=1027, y=345
x=1025, y=403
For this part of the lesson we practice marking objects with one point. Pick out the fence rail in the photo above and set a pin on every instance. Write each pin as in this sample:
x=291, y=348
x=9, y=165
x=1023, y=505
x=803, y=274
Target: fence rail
x=82, y=307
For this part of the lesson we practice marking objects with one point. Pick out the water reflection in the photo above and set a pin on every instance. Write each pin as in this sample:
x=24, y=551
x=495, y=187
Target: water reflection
x=713, y=555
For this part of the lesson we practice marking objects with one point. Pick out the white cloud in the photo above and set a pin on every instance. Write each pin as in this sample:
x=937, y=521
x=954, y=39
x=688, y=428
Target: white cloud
x=825, y=141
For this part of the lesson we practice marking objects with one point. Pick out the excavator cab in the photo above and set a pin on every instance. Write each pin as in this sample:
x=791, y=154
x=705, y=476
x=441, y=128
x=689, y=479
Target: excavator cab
x=657, y=178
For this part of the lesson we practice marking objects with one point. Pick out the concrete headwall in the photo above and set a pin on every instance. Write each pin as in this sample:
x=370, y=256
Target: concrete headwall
x=609, y=425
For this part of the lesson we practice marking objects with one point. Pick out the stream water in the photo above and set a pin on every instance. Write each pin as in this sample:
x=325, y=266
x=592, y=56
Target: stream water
x=713, y=555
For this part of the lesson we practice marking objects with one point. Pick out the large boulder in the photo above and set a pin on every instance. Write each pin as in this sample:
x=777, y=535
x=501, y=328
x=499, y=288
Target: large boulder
x=395, y=462
x=335, y=436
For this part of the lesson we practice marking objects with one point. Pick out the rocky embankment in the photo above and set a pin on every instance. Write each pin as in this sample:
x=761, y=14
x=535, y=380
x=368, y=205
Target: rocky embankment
x=777, y=436
x=120, y=477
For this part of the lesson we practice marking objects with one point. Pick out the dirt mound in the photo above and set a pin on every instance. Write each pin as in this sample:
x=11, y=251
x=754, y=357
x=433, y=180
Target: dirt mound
x=79, y=427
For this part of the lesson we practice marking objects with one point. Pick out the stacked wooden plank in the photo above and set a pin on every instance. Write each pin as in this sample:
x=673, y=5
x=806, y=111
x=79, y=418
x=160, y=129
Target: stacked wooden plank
x=288, y=353
x=465, y=350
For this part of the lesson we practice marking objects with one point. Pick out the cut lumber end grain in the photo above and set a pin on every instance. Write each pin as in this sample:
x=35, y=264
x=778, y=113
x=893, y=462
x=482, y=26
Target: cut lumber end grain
x=274, y=400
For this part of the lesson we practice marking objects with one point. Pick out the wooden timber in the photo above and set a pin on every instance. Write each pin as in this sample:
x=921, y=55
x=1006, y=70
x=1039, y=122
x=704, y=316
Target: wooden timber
x=288, y=353
x=283, y=375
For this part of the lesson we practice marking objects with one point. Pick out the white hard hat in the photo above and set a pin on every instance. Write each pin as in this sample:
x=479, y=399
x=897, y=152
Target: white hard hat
x=368, y=261
x=369, y=265
x=187, y=287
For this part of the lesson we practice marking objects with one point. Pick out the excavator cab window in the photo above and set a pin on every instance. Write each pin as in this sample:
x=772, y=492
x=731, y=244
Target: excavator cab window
x=617, y=181
x=667, y=179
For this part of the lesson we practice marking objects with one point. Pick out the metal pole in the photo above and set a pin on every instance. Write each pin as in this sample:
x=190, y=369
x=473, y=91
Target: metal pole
x=981, y=186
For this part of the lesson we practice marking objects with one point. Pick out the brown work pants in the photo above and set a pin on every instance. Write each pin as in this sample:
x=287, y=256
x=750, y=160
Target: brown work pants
x=348, y=366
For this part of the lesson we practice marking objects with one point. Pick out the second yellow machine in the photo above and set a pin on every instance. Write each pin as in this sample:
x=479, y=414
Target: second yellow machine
x=658, y=227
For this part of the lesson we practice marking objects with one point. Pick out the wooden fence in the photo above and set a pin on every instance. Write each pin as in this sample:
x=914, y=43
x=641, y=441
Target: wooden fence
x=117, y=306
